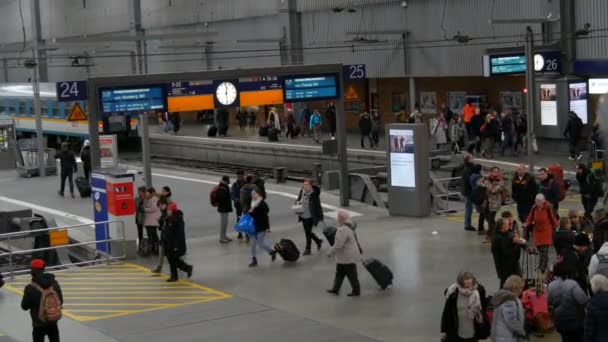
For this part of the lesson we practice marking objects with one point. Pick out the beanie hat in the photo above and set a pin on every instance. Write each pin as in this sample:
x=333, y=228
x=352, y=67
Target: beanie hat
x=172, y=206
x=581, y=239
x=37, y=264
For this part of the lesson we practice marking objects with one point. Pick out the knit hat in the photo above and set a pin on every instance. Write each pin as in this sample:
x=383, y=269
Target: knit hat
x=37, y=264
x=172, y=206
x=581, y=239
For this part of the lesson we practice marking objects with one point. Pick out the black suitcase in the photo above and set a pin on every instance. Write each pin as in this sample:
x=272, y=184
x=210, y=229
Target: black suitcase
x=84, y=188
x=212, y=131
x=297, y=131
x=330, y=234
x=379, y=271
x=263, y=131
x=287, y=250
x=273, y=134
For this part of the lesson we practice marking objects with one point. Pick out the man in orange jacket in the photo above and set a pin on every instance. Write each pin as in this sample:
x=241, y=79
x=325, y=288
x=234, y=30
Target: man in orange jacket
x=467, y=114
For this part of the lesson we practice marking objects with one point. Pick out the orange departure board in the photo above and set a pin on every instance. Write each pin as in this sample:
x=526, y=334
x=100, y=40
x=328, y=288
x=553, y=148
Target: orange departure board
x=261, y=97
x=190, y=103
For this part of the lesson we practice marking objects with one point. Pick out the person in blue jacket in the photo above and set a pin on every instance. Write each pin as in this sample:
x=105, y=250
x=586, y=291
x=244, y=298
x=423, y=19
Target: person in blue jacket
x=314, y=125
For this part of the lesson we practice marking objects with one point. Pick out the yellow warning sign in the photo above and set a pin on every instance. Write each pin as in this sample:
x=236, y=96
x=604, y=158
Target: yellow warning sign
x=77, y=114
x=351, y=93
x=59, y=237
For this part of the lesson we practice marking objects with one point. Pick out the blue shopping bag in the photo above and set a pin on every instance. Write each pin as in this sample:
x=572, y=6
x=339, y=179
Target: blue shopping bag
x=245, y=225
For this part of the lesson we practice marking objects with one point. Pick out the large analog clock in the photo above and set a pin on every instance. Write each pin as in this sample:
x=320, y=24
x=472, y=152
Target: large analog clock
x=226, y=93
x=539, y=62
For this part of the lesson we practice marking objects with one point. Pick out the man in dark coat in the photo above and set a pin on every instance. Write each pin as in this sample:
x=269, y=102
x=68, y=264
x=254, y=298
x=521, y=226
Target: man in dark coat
x=312, y=212
x=523, y=192
x=174, y=243
x=506, y=251
x=577, y=257
x=467, y=191
x=224, y=207
x=549, y=188
x=365, y=128
x=68, y=167
x=32, y=295
x=330, y=116
x=573, y=134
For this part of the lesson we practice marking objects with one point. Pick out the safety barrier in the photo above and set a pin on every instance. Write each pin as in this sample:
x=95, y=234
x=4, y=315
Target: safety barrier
x=442, y=193
x=60, y=242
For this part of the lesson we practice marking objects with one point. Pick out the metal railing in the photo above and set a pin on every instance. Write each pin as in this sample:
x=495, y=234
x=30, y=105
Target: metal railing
x=441, y=192
x=114, y=226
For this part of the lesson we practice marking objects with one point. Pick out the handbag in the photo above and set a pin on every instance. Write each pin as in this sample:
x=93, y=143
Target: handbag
x=297, y=208
x=245, y=225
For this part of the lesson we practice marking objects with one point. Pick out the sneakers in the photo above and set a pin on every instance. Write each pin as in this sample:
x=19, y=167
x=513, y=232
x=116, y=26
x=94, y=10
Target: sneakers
x=469, y=229
x=254, y=262
x=579, y=157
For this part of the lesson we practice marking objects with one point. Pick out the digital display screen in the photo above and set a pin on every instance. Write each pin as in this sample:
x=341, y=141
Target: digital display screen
x=141, y=99
x=578, y=99
x=598, y=86
x=310, y=88
x=548, y=104
x=503, y=65
x=190, y=88
x=403, y=164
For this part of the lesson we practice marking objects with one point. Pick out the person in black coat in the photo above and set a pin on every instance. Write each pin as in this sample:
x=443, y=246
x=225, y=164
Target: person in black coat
x=596, y=321
x=506, y=249
x=259, y=212
x=467, y=191
x=465, y=283
x=577, y=257
x=600, y=229
x=224, y=207
x=68, y=167
x=523, y=192
x=476, y=122
x=174, y=242
x=573, y=134
x=312, y=212
x=330, y=116
x=590, y=188
x=365, y=128
x=549, y=188
x=31, y=301
x=563, y=237
x=85, y=156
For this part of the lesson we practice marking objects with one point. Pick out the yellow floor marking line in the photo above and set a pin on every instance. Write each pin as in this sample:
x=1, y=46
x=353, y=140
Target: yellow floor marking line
x=110, y=291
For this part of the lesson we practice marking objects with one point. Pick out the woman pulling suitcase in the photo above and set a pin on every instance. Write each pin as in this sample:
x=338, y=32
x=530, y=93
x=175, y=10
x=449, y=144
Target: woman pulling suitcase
x=311, y=213
x=347, y=253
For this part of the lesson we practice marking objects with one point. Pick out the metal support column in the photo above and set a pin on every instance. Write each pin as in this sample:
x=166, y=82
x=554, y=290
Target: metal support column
x=412, y=94
x=35, y=14
x=342, y=145
x=530, y=86
x=145, y=149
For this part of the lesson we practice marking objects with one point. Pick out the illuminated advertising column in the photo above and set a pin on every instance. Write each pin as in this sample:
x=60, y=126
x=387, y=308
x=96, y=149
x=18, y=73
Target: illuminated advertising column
x=408, y=170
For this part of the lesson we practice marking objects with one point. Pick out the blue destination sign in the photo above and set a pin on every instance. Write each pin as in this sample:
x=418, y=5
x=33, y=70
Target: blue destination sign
x=122, y=100
x=310, y=88
x=190, y=88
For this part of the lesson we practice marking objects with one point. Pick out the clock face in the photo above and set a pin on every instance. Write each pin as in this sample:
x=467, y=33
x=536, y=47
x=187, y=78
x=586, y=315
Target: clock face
x=539, y=62
x=226, y=93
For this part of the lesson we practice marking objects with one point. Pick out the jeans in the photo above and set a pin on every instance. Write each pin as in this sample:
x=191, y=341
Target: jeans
x=259, y=238
x=153, y=237
x=589, y=204
x=365, y=136
x=468, y=210
x=50, y=330
x=223, y=225
x=69, y=175
x=543, y=258
x=175, y=263
x=308, y=224
x=349, y=271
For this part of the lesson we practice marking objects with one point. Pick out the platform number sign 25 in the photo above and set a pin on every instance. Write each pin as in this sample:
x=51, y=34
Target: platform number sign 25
x=71, y=91
x=354, y=72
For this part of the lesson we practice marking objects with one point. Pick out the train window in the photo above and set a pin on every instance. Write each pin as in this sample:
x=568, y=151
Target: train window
x=22, y=106
x=52, y=111
x=28, y=107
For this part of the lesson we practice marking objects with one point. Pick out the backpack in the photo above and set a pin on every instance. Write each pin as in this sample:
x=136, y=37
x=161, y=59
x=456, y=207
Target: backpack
x=213, y=196
x=558, y=176
x=50, y=305
x=602, y=265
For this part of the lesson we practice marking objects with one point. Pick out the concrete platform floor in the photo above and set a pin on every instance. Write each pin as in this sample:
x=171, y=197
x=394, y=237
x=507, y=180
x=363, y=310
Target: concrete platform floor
x=279, y=301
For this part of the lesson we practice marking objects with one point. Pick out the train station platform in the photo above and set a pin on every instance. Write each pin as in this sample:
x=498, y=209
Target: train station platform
x=227, y=301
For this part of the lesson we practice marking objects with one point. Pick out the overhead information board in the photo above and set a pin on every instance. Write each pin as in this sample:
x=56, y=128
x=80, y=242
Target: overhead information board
x=258, y=91
x=514, y=64
x=140, y=99
x=310, y=88
x=190, y=96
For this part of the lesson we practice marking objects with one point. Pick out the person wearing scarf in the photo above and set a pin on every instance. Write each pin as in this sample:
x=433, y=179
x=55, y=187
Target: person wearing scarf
x=463, y=317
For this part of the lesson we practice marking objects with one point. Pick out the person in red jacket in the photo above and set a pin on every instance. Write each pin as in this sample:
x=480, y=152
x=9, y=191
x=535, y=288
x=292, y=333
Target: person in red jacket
x=543, y=222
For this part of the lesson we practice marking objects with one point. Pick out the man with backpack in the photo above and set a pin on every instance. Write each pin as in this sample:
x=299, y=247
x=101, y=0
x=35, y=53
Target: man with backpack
x=43, y=298
x=573, y=133
x=220, y=198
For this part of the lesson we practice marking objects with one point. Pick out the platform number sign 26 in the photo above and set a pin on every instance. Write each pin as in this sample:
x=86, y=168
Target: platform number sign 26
x=354, y=72
x=71, y=91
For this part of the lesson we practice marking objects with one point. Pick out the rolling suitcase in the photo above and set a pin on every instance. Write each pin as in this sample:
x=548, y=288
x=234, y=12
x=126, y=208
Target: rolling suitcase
x=379, y=271
x=212, y=131
x=263, y=131
x=84, y=188
x=287, y=250
x=273, y=134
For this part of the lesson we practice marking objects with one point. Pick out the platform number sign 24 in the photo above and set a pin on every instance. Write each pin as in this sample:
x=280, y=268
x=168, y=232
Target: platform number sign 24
x=71, y=90
x=354, y=72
